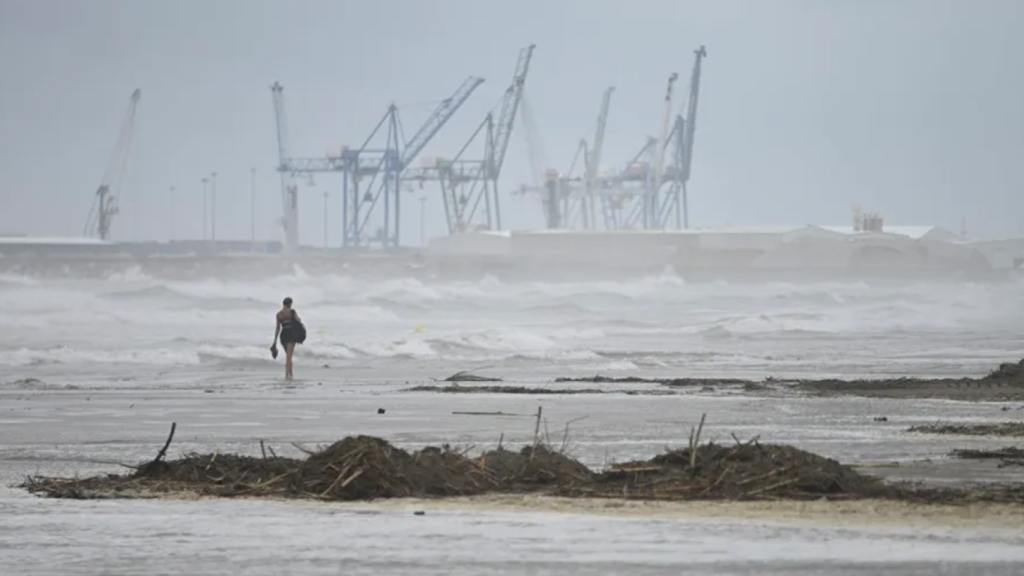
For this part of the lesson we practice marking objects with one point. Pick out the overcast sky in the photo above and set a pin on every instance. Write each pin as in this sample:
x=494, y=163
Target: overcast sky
x=912, y=108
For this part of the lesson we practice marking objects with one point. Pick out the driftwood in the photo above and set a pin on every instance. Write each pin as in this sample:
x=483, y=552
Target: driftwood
x=158, y=461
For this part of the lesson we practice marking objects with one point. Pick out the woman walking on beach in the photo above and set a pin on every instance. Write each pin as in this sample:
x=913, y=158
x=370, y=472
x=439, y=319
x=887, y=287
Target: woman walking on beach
x=290, y=330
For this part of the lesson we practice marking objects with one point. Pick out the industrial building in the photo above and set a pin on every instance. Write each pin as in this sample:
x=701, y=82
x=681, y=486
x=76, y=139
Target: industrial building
x=865, y=249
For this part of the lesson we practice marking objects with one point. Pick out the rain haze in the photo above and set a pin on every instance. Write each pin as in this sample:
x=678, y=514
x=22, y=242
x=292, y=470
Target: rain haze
x=840, y=206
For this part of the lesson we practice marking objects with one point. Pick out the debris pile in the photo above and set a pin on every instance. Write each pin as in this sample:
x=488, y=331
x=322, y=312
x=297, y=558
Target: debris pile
x=1007, y=371
x=367, y=468
x=744, y=471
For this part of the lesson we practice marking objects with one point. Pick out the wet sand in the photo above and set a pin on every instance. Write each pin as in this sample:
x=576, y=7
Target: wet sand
x=45, y=429
x=1006, y=386
x=963, y=389
x=821, y=512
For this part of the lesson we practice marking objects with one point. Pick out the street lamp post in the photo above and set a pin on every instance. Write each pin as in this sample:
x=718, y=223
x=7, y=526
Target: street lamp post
x=252, y=205
x=173, y=206
x=213, y=206
x=206, y=204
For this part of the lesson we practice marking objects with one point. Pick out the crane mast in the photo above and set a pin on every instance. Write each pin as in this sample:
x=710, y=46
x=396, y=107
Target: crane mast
x=105, y=206
x=594, y=158
x=289, y=192
x=659, y=155
x=691, y=109
x=690, y=127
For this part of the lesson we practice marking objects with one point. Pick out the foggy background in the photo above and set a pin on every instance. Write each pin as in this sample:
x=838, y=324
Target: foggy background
x=912, y=108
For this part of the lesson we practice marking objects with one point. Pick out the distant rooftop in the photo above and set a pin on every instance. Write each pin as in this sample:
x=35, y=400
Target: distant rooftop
x=915, y=232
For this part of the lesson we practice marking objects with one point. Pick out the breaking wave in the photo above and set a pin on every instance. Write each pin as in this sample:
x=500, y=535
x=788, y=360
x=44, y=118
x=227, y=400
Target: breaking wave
x=655, y=321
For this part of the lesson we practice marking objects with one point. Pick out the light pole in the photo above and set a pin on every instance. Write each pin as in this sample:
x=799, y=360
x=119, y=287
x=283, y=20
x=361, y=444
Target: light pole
x=252, y=204
x=423, y=220
x=173, y=206
x=327, y=195
x=206, y=204
x=213, y=206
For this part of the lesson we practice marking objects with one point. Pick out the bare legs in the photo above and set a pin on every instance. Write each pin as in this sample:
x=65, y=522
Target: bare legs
x=289, y=351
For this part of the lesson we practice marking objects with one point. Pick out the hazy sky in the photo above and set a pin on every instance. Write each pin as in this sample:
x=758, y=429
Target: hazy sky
x=912, y=108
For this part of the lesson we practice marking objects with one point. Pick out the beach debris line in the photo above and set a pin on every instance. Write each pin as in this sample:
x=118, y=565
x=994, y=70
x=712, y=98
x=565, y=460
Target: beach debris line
x=670, y=382
x=1006, y=429
x=367, y=468
x=1007, y=456
x=531, y=390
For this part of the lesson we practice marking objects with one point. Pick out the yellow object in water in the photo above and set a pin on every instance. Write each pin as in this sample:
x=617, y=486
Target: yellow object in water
x=420, y=328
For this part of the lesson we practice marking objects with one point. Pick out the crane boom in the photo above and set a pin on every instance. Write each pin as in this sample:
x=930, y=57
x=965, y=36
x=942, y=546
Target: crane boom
x=507, y=117
x=659, y=157
x=438, y=118
x=691, y=110
x=105, y=205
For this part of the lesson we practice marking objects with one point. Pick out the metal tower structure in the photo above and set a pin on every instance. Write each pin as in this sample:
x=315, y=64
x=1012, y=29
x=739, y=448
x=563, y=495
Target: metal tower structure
x=594, y=158
x=686, y=143
x=569, y=200
x=372, y=175
x=623, y=195
x=289, y=191
x=105, y=204
x=650, y=194
x=468, y=183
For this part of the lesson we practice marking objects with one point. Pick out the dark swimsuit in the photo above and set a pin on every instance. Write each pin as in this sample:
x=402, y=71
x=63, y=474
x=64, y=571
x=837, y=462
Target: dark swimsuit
x=287, y=330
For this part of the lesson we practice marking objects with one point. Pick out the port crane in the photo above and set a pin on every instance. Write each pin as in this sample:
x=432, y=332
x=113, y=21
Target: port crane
x=661, y=189
x=685, y=144
x=467, y=183
x=105, y=204
x=381, y=166
x=569, y=200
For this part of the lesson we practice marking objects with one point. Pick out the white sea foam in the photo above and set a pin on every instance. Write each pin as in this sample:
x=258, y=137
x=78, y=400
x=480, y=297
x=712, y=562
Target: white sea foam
x=656, y=321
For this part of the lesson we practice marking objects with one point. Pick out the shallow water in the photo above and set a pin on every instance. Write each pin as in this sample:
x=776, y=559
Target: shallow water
x=94, y=372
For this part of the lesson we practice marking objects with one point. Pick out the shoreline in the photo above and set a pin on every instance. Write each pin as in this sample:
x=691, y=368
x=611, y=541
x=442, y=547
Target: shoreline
x=863, y=513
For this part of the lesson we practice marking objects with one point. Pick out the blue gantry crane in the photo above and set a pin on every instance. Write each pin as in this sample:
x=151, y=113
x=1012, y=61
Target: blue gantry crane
x=649, y=194
x=466, y=183
x=372, y=175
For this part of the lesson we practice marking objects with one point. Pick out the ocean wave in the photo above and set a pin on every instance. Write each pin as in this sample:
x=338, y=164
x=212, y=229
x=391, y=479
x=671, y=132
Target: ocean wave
x=647, y=322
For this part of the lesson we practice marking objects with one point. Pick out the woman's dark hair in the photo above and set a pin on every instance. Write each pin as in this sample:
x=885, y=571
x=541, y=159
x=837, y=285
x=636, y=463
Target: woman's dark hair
x=288, y=301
